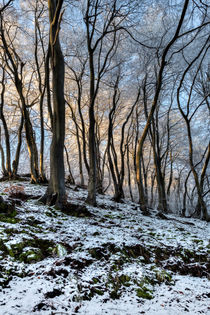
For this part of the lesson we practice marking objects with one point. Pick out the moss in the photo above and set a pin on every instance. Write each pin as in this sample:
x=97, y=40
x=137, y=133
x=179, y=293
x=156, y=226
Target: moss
x=114, y=295
x=136, y=251
x=197, y=241
x=115, y=267
x=95, y=280
x=98, y=291
x=9, y=217
x=11, y=231
x=144, y=293
x=28, y=251
x=116, y=284
x=125, y=280
x=9, y=220
x=31, y=255
x=163, y=276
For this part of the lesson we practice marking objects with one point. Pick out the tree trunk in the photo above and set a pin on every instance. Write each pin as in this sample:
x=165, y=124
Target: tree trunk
x=79, y=150
x=55, y=193
x=31, y=143
x=15, y=162
x=6, y=131
x=201, y=209
x=91, y=199
x=70, y=178
x=4, y=172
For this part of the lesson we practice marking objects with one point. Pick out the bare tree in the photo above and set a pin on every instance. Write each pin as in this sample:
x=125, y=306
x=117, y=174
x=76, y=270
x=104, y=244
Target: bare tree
x=15, y=66
x=188, y=116
x=163, y=64
x=103, y=20
x=55, y=193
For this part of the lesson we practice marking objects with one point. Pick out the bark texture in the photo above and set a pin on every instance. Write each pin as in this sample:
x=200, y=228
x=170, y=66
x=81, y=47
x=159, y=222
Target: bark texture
x=55, y=194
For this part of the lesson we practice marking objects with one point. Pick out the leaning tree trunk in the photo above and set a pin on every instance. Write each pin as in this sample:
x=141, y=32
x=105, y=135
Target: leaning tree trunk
x=55, y=193
x=31, y=144
x=15, y=162
x=70, y=178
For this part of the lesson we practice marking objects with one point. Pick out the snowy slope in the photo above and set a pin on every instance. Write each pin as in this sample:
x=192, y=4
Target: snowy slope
x=116, y=261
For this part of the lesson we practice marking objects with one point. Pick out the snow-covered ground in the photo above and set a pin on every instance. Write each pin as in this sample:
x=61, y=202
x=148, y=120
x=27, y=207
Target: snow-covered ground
x=116, y=261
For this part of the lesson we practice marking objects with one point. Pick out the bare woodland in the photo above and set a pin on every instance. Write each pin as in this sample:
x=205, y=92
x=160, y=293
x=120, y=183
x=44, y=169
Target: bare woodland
x=108, y=95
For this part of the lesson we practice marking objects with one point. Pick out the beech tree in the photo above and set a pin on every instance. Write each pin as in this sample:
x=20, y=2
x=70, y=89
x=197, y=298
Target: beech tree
x=55, y=193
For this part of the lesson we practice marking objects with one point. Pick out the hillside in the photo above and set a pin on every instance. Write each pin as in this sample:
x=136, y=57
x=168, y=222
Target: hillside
x=108, y=259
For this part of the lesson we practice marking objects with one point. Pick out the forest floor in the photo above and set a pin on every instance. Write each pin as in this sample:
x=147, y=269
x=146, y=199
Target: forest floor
x=110, y=259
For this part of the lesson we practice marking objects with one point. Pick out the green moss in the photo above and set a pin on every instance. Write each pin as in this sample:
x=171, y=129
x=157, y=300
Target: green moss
x=28, y=251
x=9, y=217
x=31, y=255
x=95, y=280
x=163, y=276
x=114, y=295
x=144, y=293
x=115, y=267
x=125, y=280
x=97, y=291
x=10, y=231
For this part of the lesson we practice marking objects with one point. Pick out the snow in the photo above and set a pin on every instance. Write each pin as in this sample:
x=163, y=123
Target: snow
x=94, y=258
